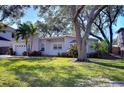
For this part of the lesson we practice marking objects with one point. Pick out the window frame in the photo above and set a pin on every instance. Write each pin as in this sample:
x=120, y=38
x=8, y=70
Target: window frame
x=57, y=46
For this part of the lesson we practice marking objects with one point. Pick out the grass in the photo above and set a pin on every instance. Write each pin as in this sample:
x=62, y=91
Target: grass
x=55, y=72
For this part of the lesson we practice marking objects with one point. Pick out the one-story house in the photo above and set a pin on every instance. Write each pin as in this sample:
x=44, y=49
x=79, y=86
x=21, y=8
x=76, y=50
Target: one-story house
x=48, y=46
x=55, y=45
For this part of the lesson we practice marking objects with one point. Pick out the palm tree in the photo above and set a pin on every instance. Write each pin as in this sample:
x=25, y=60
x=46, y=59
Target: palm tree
x=33, y=32
x=26, y=31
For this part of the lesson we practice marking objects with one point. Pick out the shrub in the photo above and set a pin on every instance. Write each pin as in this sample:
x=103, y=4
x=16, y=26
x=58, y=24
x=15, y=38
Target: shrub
x=24, y=53
x=102, y=48
x=32, y=53
x=73, y=52
x=11, y=52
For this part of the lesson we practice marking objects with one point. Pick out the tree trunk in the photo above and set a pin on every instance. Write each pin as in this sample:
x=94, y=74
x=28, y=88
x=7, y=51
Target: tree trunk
x=26, y=49
x=82, y=43
x=111, y=39
x=26, y=43
x=79, y=41
x=77, y=30
x=31, y=42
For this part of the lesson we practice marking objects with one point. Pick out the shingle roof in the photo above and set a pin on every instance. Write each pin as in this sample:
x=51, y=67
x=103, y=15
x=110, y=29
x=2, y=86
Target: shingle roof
x=4, y=39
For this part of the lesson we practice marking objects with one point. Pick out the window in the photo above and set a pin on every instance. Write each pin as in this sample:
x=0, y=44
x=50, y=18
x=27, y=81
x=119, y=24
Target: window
x=57, y=46
x=42, y=47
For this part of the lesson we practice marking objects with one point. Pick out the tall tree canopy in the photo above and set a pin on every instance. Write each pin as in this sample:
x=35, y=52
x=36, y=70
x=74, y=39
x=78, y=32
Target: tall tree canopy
x=105, y=21
x=11, y=12
x=55, y=21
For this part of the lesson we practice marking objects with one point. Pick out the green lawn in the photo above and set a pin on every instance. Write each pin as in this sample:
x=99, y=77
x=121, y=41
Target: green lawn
x=55, y=71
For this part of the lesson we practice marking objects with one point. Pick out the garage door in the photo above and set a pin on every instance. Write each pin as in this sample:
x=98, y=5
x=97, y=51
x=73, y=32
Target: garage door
x=20, y=48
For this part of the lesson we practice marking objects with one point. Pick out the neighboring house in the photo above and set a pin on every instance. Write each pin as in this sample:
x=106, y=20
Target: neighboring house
x=121, y=40
x=6, y=38
x=48, y=46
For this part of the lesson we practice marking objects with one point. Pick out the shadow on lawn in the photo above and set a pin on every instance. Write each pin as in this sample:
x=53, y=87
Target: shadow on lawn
x=111, y=57
x=106, y=64
x=35, y=59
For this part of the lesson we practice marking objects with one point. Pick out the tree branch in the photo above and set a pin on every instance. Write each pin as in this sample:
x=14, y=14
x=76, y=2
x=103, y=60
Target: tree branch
x=98, y=11
x=96, y=36
x=102, y=32
x=117, y=12
x=78, y=12
x=82, y=23
x=3, y=17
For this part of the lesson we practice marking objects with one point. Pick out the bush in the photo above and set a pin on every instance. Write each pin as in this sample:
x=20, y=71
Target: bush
x=11, y=52
x=102, y=48
x=24, y=53
x=73, y=52
x=32, y=53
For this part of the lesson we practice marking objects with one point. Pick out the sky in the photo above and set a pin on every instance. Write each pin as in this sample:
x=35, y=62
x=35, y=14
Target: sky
x=31, y=15
x=120, y=23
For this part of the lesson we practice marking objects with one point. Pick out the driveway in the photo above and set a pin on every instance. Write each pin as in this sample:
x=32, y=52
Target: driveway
x=5, y=56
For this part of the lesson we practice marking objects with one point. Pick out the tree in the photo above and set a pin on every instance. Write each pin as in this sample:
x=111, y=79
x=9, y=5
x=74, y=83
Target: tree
x=56, y=22
x=100, y=25
x=74, y=14
x=23, y=33
x=105, y=20
x=32, y=32
x=26, y=31
x=11, y=12
x=44, y=29
x=87, y=24
x=112, y=14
